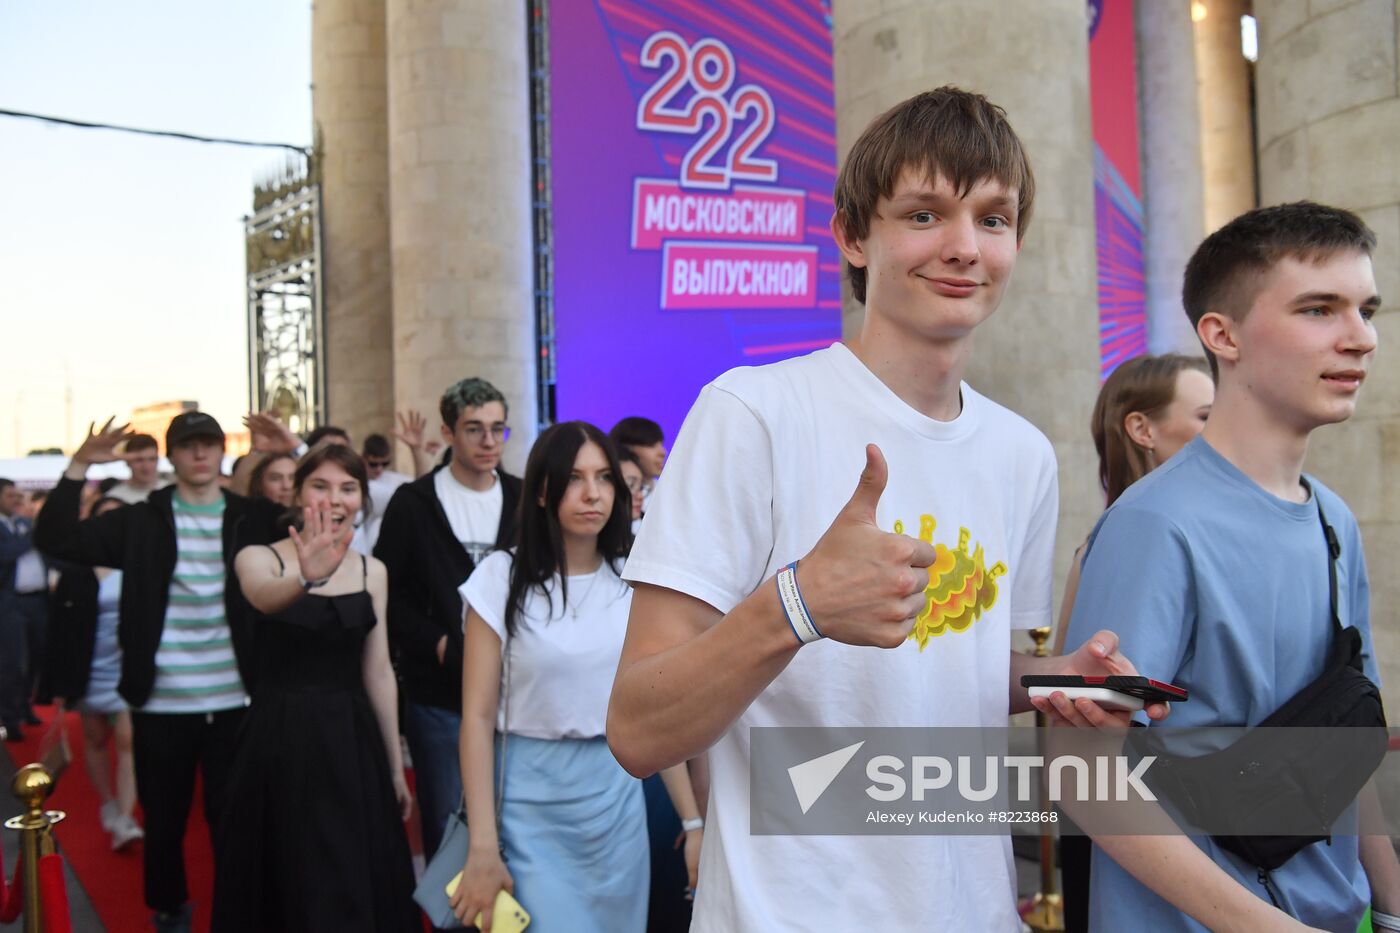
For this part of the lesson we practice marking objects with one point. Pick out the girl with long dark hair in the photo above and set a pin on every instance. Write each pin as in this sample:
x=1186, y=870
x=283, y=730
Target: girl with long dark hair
x=544, y=628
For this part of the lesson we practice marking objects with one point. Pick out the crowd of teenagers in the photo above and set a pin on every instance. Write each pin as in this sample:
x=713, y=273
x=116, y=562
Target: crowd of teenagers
x=538, y=644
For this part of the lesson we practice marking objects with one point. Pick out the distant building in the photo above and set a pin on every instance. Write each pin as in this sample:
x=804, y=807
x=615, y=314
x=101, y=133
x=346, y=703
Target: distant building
x=153, y=419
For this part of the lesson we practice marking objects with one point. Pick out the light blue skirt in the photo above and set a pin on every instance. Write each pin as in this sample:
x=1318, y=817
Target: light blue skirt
x=574, y=826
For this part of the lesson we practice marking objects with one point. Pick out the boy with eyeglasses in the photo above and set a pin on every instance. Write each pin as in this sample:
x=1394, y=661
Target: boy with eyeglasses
x=434, y=532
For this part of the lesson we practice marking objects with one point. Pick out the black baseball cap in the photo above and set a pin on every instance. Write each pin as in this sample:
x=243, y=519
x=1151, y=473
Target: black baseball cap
x=191, y=424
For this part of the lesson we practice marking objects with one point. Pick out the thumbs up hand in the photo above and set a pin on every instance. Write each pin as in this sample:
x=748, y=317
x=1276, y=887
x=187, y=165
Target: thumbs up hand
x=864, y=586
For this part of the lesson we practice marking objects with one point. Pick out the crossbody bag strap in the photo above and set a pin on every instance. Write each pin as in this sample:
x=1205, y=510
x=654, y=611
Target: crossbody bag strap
x=505, y=737
x=1334, y=551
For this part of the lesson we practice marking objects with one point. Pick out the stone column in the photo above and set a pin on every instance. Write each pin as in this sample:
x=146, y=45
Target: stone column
x=1227, y=144
x=1039, y=354
x=350, y=108
x=459, y=172
x=1329, y=129
x=1173, y=195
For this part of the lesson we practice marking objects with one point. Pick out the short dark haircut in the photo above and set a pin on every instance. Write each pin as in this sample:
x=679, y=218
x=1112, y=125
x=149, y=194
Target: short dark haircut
x=137, y=442
x=5, y=484
x=637, y=432
x=1227, y=270
x=950, y=133
x=468, y=393
x=325, y=431
x=376, y=445
x=539, y=541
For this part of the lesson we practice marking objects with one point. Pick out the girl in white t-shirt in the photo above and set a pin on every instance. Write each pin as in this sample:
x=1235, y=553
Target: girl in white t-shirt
x=572, y=821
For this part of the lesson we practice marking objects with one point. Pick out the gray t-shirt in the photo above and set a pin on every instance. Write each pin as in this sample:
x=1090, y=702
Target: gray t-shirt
x=1217, y=586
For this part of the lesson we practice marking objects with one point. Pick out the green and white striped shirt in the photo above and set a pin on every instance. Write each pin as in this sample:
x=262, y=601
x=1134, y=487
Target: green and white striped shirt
x=196, y=671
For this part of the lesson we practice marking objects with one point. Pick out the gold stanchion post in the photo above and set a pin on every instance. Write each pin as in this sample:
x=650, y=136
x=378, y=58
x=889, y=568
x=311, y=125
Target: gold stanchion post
x=1048, y=909
x=31, y=787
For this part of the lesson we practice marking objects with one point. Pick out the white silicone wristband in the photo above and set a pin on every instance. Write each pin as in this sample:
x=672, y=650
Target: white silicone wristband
x=794, y=608
x=1384, y=921
x=691, y=825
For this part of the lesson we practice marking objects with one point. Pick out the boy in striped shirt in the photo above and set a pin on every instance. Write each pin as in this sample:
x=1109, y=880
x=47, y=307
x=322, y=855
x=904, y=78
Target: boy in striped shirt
x=183, y=629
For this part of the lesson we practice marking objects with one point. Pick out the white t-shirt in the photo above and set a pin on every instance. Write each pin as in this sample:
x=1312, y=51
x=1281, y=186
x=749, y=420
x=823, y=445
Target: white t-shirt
x=562, y=665
x=763, y=463
x=475, y=516
x=381, y=490
x=132, y=495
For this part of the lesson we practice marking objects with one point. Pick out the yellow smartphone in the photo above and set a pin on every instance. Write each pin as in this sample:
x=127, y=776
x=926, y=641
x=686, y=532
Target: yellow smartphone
x=506, y=917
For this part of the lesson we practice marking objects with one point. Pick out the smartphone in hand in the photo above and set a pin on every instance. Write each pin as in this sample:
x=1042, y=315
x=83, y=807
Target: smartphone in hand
x=1119, y=692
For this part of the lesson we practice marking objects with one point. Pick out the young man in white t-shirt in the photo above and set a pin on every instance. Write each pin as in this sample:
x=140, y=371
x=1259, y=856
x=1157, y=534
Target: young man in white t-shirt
x=931, y=205
x=434, y=532
x=142, y=455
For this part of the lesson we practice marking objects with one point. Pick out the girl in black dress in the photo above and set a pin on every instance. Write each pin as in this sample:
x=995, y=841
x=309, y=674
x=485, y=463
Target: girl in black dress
x=312, y=838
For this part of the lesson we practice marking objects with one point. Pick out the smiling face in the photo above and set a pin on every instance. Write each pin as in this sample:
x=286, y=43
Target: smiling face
x=937, y=262
x=588, y=499
x=330, y=488
x=1302, y=350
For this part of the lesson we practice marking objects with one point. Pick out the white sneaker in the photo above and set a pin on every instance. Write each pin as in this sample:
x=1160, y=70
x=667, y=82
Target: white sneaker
x=111, y=816
x=125, y=833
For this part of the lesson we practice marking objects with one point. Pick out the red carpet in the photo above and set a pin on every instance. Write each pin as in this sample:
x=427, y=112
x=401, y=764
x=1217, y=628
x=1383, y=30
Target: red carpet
x=112, y=880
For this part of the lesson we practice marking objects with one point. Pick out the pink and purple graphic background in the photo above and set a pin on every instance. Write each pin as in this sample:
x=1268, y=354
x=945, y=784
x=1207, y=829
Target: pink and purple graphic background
x=625, y=343
x=618, y=351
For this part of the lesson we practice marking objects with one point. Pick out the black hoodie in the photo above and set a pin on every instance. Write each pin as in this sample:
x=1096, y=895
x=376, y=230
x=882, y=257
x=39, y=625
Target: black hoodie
x=426, y=565
x=139, y=540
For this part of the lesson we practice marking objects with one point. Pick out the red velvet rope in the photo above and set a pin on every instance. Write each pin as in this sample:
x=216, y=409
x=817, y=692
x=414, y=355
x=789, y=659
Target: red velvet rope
x=53, y=895
x=11, y=900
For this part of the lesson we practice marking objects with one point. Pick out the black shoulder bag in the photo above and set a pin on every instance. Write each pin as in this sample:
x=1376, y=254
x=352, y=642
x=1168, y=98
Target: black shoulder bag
x=1301, y=779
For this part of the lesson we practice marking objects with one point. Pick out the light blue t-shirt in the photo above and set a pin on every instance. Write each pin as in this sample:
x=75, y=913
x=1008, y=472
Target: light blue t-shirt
x=1217, y=586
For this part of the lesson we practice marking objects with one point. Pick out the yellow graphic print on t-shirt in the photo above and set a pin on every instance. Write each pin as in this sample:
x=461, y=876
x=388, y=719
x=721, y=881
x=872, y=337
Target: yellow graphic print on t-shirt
x=960, y=585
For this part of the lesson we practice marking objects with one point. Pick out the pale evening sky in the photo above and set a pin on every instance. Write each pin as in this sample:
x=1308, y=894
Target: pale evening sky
x=122, y=256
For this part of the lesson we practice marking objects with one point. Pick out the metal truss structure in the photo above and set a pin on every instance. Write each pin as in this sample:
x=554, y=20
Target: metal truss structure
x=542, y=208
x=286, y=317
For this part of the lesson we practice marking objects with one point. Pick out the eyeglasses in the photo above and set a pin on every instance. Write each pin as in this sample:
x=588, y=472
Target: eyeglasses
x=634, y=485
x=475, y=432
x=377, y=464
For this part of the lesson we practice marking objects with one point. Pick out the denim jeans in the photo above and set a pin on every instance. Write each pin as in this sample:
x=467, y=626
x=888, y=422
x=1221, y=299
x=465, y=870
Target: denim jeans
x=432, y=734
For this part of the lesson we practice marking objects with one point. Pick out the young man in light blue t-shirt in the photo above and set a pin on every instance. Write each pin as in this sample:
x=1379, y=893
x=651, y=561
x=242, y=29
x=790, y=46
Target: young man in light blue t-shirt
x=1214, y=568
